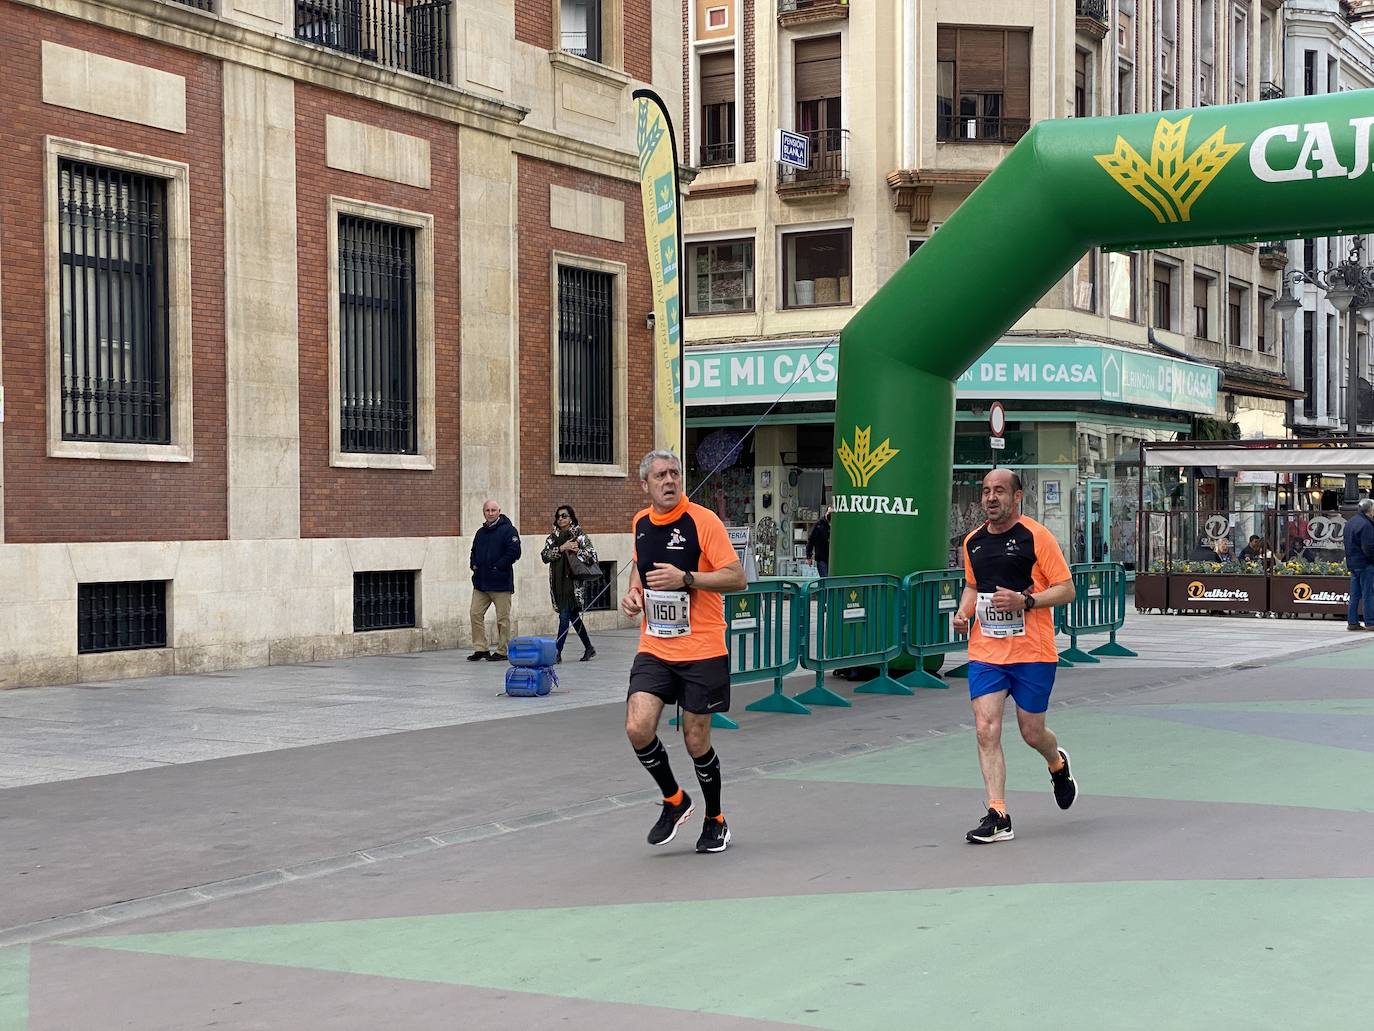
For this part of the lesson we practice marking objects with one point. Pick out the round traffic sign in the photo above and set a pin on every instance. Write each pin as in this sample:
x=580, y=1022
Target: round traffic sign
x=997, y=418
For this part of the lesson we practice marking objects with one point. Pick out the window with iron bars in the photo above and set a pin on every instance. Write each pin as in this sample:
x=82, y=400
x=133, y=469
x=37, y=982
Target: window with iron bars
x=112, y=242
x=600, y=594
x=377, y=361
x=384, y=599
x=121, y=616
x=586, y=405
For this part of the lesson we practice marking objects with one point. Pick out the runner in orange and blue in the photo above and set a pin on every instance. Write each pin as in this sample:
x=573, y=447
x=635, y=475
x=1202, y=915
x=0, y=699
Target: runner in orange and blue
x=683, y=565
x=1015, y=575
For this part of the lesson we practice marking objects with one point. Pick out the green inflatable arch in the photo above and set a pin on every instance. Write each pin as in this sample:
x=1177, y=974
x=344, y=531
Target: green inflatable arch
x=1270, y=170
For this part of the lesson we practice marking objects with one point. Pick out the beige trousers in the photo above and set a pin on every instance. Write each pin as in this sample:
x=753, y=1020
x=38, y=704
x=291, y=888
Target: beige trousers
x=481, y=601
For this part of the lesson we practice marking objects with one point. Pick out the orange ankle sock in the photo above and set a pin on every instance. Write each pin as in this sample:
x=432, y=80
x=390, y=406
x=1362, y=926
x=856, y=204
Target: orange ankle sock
x=676, y=799
x=999, y=804
x=719, y=817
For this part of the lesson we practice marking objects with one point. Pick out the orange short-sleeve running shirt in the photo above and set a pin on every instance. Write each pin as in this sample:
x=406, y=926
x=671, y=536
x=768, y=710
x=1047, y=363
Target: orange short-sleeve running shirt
x=1024, y=558
x=692, y=538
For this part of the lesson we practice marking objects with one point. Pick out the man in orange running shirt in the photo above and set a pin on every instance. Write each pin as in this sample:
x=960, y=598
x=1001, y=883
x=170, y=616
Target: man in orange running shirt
x=683, y=564
x=1015, y=575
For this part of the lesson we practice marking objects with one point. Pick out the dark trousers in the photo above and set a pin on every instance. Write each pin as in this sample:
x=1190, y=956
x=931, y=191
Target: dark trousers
x=1362, y=596
x=573, y=618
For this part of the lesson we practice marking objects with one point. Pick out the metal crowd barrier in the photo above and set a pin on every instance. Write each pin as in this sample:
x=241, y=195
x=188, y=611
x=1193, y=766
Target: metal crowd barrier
x=1099, y=606
x=932, y=597
x=851, y=621
x=763, y=629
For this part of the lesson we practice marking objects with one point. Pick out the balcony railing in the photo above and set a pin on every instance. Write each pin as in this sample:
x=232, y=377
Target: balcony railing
x=581, y=44
x=1094, y=9
x=977, y=129
x=1271, y=91
x=717, y=154
x=199, y=5
x=793, y=11
x=828, y=162
x=411, y=35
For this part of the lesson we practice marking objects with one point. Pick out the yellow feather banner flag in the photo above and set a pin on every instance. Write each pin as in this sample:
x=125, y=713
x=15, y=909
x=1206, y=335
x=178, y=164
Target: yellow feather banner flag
x=658, y=187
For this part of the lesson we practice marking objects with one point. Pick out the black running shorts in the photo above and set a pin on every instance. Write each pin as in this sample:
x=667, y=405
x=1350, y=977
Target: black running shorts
x=701, y=686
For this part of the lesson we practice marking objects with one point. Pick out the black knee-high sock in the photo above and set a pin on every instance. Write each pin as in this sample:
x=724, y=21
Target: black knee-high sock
x=654, y=758
x=708, y=776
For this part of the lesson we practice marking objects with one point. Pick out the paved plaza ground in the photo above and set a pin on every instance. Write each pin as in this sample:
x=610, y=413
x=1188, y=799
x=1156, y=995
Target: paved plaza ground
x=390, y=841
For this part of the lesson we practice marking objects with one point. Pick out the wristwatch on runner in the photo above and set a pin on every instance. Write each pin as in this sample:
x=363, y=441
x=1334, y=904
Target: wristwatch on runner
x=1030, y=599
x=688, y=578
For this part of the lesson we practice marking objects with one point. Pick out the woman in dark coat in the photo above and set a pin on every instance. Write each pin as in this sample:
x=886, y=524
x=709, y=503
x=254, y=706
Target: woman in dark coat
x=566, y=592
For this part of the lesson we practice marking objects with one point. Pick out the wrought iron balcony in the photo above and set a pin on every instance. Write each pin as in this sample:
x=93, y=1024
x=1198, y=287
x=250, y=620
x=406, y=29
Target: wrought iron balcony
x=1273, y=256
x=979, y=129
x=1270, y=91
x=412, y=35
x=581, y=44
x=797, y=12
x=1094, y=9
x=827, y=167
x=717, y=154
x=199, y=5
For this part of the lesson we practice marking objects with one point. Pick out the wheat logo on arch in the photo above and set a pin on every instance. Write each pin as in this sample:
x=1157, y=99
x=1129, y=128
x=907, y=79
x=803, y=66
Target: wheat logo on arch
x=860, y=462
x=1169, y=184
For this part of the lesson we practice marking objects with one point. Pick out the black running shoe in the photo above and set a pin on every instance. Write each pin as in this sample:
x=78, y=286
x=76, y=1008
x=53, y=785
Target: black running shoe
x=995, y=827
x=478, y=656
x=672, y=817
x=715, y=836
x=1065, y=788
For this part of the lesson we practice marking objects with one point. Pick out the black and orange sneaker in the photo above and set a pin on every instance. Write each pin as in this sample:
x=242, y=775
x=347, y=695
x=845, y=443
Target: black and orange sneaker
x=1065, y=787
x=672, y=817
x=715, y=836
x=994, y=827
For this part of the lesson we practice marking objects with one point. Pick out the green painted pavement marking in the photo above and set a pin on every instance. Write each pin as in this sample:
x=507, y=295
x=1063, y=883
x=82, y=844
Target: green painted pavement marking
x=14, y=988
x=1130, y=756
x=1165, y=954
x=1300, y=706
x=1344, y=658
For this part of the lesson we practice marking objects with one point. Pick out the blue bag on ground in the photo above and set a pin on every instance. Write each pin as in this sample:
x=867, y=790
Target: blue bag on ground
x=530, y=681
x=532, y=651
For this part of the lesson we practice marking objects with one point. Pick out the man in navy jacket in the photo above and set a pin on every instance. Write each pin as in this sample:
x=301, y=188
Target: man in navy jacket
x=1359, y=559
x=495, y=550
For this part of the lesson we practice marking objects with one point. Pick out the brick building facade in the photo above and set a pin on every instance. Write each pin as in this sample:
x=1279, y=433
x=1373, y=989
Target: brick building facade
x=341, y=240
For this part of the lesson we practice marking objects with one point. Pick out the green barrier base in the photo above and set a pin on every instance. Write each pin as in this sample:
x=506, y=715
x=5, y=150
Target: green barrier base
x=719, y=721
x=920, y=678
x=884, y=684
x=778, y=702
x=1064, y=663
x=960, y=671
x=1076, y=654
x=822, y=695
x=1115, y=649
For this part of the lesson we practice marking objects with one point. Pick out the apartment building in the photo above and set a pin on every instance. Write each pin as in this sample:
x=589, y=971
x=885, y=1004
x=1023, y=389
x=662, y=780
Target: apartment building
x=1327, y=49
x=288, y=288
x=904, y=108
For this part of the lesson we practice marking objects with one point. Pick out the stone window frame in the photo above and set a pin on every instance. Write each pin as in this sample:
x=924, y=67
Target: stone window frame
x=612, y=34
x=180, y=413
x=619, y=272
x=425, y=432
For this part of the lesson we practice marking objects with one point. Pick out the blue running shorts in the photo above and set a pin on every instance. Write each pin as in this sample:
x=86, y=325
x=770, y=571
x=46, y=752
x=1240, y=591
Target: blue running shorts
x=1029, y=683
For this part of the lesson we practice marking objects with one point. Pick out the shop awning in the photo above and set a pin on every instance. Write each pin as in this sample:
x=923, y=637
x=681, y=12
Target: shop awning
x=1355, y=458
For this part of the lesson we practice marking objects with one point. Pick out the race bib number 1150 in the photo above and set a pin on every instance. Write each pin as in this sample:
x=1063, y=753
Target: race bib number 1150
x=667, y=613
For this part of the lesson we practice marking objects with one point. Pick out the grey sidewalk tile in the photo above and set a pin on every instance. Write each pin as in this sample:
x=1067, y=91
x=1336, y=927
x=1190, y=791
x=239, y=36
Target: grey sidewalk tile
x=534, y=820
x=328, y=865
x=243, y=885
x=46, y=930
x=463, y=835
x=595, y=807
x=153, y=905
x=400, y=849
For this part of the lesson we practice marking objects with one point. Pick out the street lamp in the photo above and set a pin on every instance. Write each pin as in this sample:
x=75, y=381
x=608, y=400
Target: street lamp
x=1349, y=286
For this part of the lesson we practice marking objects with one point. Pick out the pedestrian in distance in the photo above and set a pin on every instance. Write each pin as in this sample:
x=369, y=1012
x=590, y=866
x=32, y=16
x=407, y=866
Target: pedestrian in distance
x=565, y=590
x=682, y=566
x=818, y=544
x=1015, y=574
x=495, y=550
x=1358, y=537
